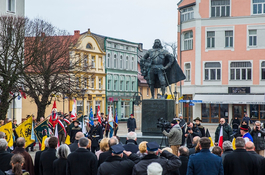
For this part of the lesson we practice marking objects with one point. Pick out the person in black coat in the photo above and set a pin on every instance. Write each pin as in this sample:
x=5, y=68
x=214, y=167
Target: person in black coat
x=191, y=132
x=95, y=134
x=182, y=124
x=5, y=156
x=82, y=161
x=131, y=124
x=37, y=157
x=60, y=164
x=131, y=144
x=240, y=161
x=74, y=130
x=183, y=154
x=115, y=164
x=47, y=157
x=103, y=156
x=74, y=146
x=258, y=158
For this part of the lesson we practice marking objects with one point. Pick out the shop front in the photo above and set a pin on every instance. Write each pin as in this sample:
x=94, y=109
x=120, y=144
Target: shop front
x=122, y=106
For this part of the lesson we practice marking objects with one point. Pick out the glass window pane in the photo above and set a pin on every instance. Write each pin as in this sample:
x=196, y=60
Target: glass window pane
x=262, y=112
x=263, y=73
x=232, y=74
x=227, y=11
x=231, y=41
x=223, y=11
x=218, y=74
x=237, y=74
x=250, y=40
x=252, y=32
x=259, y=8
x=205, y=112
x=213, y=73
x=254, y=112
x=208, y=42
x=215, y=113
x=212, y=42
x=217, y=11
x=243, y=74
x=254, y=40
x=213, y=12
x=206, y=74
x=255, y=9
x=226, y=41
x=224, y=111
x=264, y=8
x=249, y=74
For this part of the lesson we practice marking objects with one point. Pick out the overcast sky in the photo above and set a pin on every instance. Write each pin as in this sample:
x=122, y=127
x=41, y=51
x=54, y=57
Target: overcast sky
x=132, y=20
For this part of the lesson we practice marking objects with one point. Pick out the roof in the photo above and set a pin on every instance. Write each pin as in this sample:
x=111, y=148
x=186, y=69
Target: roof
x=185, y=3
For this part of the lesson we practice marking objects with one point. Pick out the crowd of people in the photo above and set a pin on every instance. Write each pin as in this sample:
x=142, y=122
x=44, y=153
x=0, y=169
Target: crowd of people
x=190, y=152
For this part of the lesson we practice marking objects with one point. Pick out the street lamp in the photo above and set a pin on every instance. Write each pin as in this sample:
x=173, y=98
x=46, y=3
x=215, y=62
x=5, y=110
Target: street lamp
x=83, y=93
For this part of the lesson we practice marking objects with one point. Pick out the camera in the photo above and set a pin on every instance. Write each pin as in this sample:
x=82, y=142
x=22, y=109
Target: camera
x=163, y=124
x=189, y=128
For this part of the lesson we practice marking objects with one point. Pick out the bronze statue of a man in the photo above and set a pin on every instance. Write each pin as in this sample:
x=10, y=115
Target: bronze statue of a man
x=160, y=68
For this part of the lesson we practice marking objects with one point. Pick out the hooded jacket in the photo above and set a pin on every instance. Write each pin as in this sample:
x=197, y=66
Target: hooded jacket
x=174, y=135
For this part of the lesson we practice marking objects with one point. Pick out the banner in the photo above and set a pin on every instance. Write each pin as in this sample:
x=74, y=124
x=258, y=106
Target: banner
x=42, y=130
x=7, y=129
x=25, y=130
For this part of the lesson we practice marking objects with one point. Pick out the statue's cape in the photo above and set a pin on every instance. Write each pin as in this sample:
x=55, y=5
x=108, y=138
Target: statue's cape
x=174, y=74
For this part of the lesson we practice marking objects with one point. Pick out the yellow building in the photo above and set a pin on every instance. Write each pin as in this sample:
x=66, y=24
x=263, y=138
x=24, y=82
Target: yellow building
x=89, y=51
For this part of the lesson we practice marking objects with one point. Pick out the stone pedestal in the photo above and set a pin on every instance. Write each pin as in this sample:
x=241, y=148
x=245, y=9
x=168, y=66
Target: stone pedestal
x=152, y=110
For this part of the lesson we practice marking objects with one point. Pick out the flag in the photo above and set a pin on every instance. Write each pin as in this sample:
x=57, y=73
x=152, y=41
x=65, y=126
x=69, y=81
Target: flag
x=53, y=117
x=82, y=124
x=98, y=115
x=209, y=137
x=43, y=142
x=67, y=140
x=91, y=117
x=22, y=93
x=220, y=140
x=57, y=135
x=234, y=143
x=110, y=118
x=116, y=117
x=41, y=131
x=73, y=113
x=25, y=130
x=8, y=130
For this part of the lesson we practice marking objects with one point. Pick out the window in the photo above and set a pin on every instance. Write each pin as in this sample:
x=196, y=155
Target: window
x=210, y=39
x=212, y=71
x=121, y=85
x=85, y=83
x=109, y=84
x=97, y=105
x=263, y=70
x=220, y=8
x=188, y=40
x=108, y=60
x=115, y=61
x=89, y=46
x=127, y=86
x=93, y=62
x=99, y=83
x=187, y=71
x=187, y=14
x=132, y=63
x=85, y=61
x=258, y=6
x=92, y=83
x=240, y=71
x=127, y=62
x=252, y=38
x=132, y=86
x=228, y=38
x=115, y=85
x=115, y=45
x=11, y=6
x=127, y=48
x=121, y=62
x=212, y=113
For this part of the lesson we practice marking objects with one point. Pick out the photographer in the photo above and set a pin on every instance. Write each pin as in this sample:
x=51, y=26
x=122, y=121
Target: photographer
x=174, y=136
x=190, y=133
x=258, y=134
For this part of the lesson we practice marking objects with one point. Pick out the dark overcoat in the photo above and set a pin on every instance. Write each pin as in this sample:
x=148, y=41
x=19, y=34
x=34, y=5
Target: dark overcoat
x=131, y=124
x=60, y=166
x=46, y=161
x=5, y=158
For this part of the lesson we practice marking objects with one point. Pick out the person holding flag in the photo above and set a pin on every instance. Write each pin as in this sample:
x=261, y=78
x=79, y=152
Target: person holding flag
x=223, y=133
x=95, y=134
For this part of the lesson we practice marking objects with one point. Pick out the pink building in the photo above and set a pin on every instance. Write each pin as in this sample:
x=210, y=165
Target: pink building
x=222, y=52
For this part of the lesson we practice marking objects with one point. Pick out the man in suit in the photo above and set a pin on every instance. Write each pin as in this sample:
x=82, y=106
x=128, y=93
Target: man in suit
x=82, y=161
x=47, y=157
x=240, y=161
x=37, y=157
x=205, y=162
x=5, y=156
x=74, y=146
x=131, y=144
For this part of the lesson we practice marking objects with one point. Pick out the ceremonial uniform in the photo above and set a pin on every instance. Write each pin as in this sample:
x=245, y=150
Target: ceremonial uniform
x=73, y=132
x=95, y=134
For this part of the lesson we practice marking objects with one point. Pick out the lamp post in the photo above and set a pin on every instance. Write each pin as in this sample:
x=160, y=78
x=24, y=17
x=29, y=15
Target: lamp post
x=83, y=93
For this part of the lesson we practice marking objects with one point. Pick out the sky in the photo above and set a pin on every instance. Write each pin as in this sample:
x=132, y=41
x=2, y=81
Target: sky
x=140, y=21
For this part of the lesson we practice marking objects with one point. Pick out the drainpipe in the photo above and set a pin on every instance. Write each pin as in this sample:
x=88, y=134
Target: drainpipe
x=180, y=62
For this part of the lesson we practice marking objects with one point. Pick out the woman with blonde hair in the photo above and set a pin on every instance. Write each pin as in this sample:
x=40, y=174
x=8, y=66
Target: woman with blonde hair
x=142, y=149
x=17, y=161
x=103, y=146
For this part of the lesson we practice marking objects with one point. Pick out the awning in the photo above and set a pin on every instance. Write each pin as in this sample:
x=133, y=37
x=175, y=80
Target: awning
x=230, y=98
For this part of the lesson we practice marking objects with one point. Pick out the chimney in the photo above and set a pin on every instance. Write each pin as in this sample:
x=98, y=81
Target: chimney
x=76, y=33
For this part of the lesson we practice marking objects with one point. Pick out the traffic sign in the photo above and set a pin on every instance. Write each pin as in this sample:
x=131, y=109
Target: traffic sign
x=196, y=101
x=184, y=101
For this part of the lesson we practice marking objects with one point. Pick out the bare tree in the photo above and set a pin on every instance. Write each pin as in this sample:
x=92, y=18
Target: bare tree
x=12, y=65
x=51, y=70
x=173, y=48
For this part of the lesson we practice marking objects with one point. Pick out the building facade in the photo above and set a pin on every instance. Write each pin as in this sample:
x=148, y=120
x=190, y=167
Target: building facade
x=222, y=51
x=121, y=80
x=13, y=8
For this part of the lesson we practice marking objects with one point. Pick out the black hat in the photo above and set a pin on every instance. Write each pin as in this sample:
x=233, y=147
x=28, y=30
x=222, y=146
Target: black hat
x=117, y=149
x=76, y=122
x=244, y=127
x=152, y=146
x=197, y=119
x=174, y=122
x=95, y=119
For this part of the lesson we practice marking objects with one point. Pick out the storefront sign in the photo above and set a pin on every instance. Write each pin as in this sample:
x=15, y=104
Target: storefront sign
x=238, y=90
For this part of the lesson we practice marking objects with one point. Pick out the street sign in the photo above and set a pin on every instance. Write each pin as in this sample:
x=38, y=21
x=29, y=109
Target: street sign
x=184, y=101
x=196, y=101
x=191, y=104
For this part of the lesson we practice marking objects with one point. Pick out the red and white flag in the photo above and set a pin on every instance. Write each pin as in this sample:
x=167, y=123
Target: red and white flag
x=98, y=115
x=73, y=113
x=57, y=135
x=220, y=142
